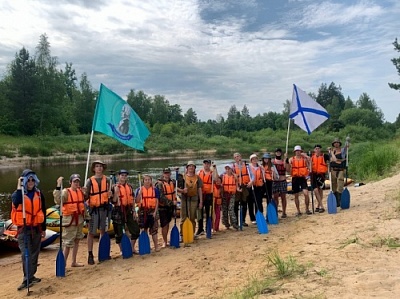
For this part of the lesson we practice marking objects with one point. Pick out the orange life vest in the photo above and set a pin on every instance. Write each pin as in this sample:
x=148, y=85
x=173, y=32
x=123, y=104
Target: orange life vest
x=242, y=173
x=217, y=194
x=74, y=204
x=280, y=167
x=207, y=181
x=229, y=183
x=98, y=194
x=299, y=167
x=318, y=164
x=169, y=190
x=149, y=199
x=257, y=173
x=33, y=211
x=267, y=173
x=125, y=195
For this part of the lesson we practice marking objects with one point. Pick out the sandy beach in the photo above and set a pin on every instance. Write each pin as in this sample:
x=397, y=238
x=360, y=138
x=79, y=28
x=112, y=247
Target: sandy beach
x=351, y=254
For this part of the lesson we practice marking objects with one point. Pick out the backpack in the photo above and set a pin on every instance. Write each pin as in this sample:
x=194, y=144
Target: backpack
x=191, y=185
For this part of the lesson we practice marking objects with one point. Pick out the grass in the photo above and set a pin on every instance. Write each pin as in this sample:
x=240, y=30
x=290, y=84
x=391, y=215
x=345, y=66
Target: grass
x=285, y=268
x=257, y=287
x=352, y=240
x=388, y=241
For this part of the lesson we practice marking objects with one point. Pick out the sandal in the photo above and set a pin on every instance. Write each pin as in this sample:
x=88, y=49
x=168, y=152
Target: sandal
x=283, y=216
x=321, y=210
x=308, y=212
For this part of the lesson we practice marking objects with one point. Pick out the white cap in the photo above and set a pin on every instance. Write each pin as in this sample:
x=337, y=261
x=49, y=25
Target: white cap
x=253, y=156
x=297, y=148
x=228, y=165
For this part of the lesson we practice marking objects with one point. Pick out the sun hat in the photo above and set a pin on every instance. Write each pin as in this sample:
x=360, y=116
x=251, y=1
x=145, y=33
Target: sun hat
x=74, y=177
x=98, y=162
x=228, y=165
x=123, y=171
x=253, y=156
x=190, y=163
x=266, y=156
x=297, y=148
x=336, y=140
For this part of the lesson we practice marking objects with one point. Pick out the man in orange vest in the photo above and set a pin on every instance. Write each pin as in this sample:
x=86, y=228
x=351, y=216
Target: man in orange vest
x=32, y=229
x=299, y=167
x=97, y=194
x=73, y=212
x=123, y=213
x=319, y=168
x=242, y=194
x=167, y=203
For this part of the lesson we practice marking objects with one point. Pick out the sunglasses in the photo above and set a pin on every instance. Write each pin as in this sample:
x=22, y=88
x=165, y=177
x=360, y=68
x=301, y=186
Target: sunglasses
x=31, y=180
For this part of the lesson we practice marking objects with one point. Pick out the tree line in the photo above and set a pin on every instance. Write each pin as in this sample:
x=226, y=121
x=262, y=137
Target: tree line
x=38, y=98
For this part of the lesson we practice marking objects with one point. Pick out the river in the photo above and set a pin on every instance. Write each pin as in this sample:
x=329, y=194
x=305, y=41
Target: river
x=49, y=174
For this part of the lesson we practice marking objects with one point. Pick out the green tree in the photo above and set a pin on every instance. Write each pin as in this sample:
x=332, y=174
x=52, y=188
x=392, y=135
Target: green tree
x=365, y=102
x=190, y=117
x=396, y=62
x=141, y=103
x=85, y=105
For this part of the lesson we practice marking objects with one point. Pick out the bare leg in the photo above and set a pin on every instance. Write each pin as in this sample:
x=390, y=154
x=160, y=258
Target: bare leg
x=284, y=203
x=133, y=242
x=75, y=253
x=90, y=241
x=155, y=241
x=66, y=253
x=296, y=201
x=164, y=232
x=306, y=199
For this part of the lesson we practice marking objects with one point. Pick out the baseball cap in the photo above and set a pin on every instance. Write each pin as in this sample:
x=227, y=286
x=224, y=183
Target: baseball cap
x=74, y=177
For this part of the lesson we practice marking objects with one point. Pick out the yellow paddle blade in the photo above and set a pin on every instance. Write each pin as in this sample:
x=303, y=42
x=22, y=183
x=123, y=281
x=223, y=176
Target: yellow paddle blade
x=187, y=231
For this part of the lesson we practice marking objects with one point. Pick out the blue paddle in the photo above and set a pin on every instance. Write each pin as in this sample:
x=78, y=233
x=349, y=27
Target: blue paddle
x=261, y=222
x=126, y=247
x=345, y=200
x=60, y=260
x=174, y=237
x=331, y=201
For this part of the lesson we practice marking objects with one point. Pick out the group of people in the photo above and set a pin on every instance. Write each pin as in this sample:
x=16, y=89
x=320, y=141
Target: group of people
x=204, y=194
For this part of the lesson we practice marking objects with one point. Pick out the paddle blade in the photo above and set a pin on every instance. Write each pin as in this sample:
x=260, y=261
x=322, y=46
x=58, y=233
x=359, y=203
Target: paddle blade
x=174, y=238
x=187, y=231
x=126, y=247
x=60, y=264
x=261, y=223
x=208, y=228
x=104, y=247
x=332, y=209
x=144, y=243
x=345, y=200
x=272, y=215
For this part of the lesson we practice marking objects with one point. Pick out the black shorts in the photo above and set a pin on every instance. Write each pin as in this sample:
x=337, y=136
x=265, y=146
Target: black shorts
x=299, y=184
x=318, y=180
x=165, y=214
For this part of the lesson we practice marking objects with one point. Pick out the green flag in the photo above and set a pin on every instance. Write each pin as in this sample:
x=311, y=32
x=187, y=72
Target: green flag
x=115, y=118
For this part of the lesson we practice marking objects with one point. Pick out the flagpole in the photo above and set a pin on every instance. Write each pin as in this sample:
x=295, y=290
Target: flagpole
x=88, y=157
x=287, y=136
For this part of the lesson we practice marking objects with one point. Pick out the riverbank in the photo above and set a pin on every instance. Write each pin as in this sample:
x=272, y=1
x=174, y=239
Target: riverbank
x=351, y=254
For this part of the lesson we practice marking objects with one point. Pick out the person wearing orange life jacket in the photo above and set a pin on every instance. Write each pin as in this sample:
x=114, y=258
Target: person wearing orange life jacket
x=267, y=169
x=167, y=203
x=208, y=174
x=192, y=195
x=97, y=194
x=299, y=166
x=279, y=184
x=73, y=215
x=123, y=213
x=230, y=187
x=34, y=228
x=256, y=183
x=319, y=164
x=242, y=194
x=217, y=202
x=149, y=197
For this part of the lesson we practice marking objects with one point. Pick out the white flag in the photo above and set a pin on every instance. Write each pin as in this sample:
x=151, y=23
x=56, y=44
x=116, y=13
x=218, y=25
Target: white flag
x=306, y=112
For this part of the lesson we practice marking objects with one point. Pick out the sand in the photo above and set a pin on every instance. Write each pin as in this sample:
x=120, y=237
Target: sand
x=345, y=255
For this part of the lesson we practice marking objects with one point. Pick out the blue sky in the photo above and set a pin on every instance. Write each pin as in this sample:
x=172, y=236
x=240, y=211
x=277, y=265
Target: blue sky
x=211, y=54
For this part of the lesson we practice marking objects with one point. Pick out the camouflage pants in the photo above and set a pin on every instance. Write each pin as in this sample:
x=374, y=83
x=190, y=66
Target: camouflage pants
x=228, y=211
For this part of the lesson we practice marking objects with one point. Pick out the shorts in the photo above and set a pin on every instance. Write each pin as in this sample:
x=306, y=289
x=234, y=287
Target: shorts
x=98, y=219
x=318, y=180
x=299, y=184
x=72, y=233
x=279, y=187
x=148, y=221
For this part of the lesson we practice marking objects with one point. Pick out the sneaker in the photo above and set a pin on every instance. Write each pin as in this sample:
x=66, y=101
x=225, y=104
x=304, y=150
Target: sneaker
x=24, y=286
x=298, y=214
x=308, y=212
x=316, y=210
x=90, y=260
x=196, y=237
x=254, y=222
x=245, y=224
x=199, y=232
x=35, y=280
x=321, y=210
x=180, y=239
x=283, y=216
